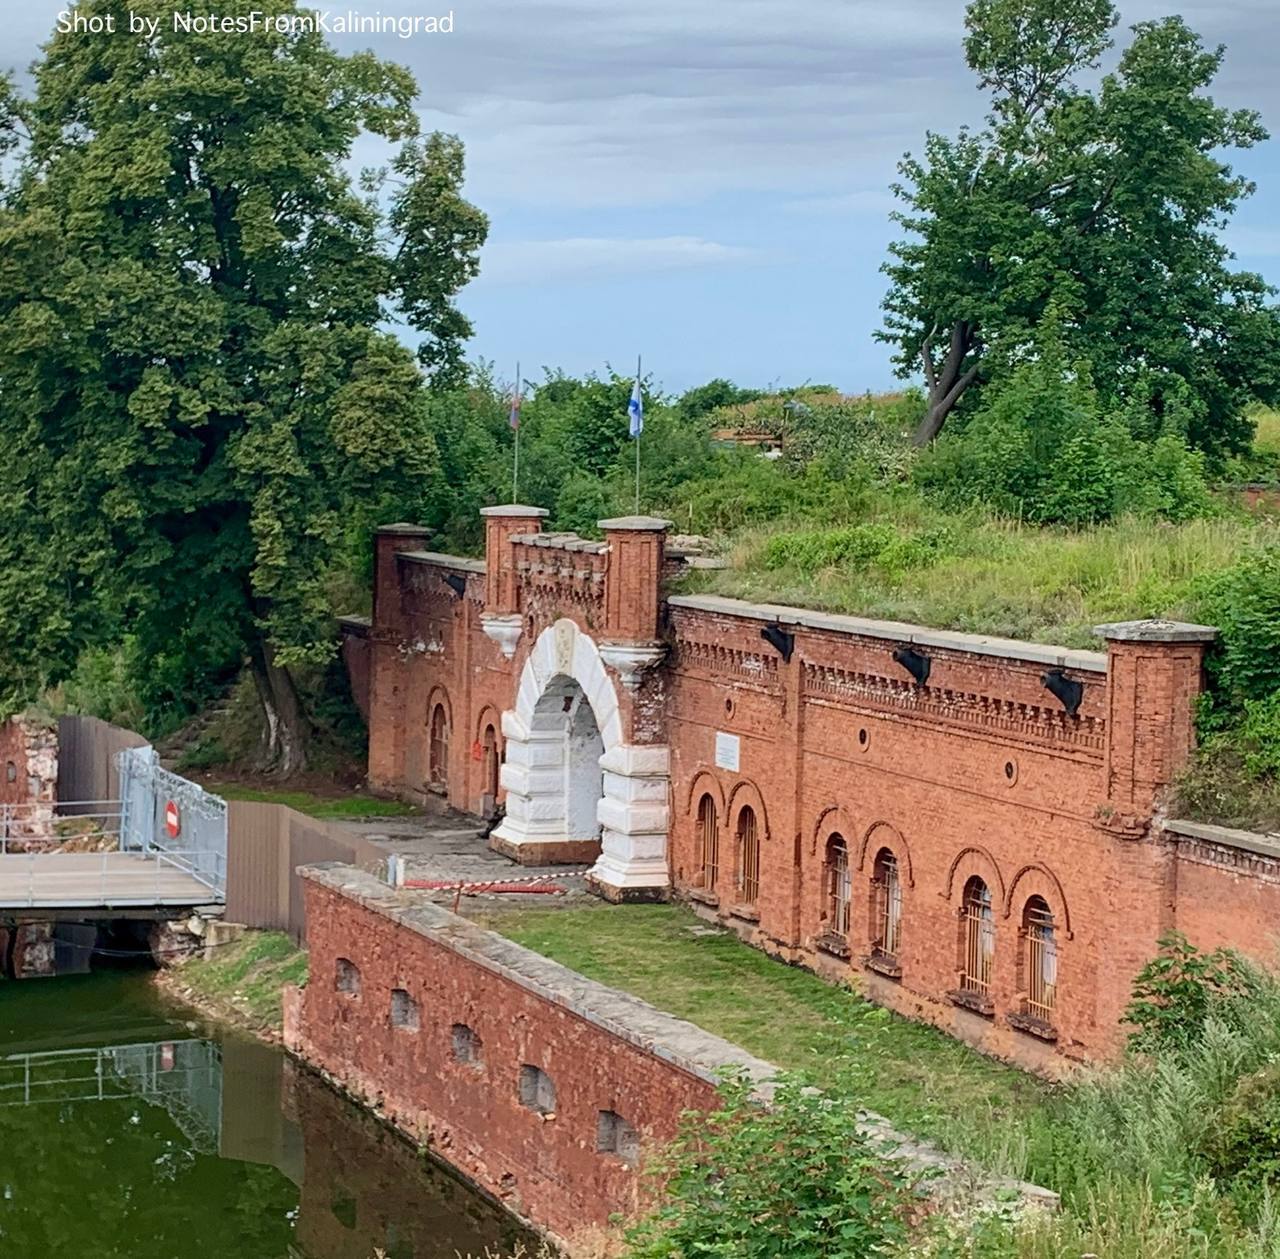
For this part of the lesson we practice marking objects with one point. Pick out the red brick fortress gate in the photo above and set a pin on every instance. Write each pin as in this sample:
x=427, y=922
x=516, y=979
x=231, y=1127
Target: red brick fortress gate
x=544, y=656
x=969, y=825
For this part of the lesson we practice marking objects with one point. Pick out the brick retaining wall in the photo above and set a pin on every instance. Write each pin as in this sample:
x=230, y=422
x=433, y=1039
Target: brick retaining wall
x=392, y=982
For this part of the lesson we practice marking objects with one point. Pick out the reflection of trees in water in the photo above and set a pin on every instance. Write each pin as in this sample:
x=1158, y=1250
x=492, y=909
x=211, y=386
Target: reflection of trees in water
x=366, y=1188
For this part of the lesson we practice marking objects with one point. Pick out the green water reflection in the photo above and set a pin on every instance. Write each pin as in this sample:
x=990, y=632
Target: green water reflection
x=125, y=1132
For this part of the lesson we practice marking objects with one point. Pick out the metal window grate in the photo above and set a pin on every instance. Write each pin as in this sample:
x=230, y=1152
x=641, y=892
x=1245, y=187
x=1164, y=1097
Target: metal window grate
x=839, y=885
x=888, y=889
x=748, y=856
x=709, y=833
x=1042, y=960
x=979, y=938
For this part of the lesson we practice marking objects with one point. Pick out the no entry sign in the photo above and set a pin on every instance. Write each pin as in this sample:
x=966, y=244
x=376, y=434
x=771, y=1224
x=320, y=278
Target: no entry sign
x=172, y=819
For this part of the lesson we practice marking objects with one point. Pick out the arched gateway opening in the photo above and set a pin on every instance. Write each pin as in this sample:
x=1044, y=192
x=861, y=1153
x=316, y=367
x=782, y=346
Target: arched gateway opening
x=569, y=738
x=577, y=791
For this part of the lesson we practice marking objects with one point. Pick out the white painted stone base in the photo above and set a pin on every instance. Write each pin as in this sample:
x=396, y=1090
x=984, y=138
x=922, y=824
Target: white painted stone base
x=634, y=820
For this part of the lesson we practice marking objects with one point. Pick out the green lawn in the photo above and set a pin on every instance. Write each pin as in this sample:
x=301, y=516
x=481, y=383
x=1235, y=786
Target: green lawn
x=314, y=804
x=920, y=1079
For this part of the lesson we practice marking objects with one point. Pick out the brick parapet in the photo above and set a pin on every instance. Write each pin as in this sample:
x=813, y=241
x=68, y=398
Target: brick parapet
x=604, y=1050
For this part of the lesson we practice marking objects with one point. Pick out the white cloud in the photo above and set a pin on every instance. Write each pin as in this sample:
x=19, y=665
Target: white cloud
x=593, y=258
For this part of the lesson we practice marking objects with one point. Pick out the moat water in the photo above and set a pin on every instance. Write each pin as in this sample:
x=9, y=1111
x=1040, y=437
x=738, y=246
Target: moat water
x=129, y=1132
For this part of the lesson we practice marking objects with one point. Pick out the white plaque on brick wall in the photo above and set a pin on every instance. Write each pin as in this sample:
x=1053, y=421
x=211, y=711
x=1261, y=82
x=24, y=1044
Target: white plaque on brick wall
x=727, y=749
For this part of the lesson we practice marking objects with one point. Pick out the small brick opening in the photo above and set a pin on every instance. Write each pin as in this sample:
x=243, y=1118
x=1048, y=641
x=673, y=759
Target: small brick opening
x=347, y=977
x=614, y=1135
x=468, y=1048
x=537, y=1089
x=404, y=1011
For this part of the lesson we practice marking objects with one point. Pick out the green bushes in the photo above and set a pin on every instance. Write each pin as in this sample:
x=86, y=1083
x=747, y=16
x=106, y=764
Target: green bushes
x=1175, y=993
x=794, y=1181
x=875, y=545
x=1234, y=776
x=1044, y=448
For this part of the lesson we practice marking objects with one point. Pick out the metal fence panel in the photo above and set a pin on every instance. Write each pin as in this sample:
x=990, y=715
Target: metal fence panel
x=173, y=819
x=87, y=751
x=257, y=865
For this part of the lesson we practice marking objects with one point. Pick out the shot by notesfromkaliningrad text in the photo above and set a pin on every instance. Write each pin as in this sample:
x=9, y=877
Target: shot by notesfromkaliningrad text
x=193, y=22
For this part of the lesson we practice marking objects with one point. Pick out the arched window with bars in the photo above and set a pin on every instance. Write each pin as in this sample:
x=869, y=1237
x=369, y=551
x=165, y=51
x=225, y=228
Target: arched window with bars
x=886, y=889
x=491, y=759
x=1040, y=960
x=978, y=938
x=708, y=842
x=839, y=888
x=748, y=856
x=438, y=752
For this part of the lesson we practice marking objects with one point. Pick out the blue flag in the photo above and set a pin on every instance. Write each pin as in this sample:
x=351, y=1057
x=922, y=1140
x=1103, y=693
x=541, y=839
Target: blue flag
x=635, y=409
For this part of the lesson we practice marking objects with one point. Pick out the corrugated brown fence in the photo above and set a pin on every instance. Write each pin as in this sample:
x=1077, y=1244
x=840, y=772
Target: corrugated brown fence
x=87, y=750
x=266, y=843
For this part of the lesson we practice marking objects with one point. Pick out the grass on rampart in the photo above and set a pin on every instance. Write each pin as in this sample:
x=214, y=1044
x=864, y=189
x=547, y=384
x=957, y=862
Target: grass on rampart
x=920, y=1079
x=350, y=805
x=979, y=574
x=242, y=980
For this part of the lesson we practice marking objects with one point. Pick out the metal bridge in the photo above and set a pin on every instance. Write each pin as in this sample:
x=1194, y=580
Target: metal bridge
x=162, y=845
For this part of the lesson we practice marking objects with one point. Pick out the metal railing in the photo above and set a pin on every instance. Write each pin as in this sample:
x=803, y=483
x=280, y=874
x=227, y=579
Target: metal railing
x=48, y=826
x=1042, y=963
x=166, y=815
x=979, y=941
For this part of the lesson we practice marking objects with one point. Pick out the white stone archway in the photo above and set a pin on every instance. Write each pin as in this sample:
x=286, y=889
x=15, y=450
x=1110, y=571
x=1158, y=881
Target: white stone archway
x=564, y=743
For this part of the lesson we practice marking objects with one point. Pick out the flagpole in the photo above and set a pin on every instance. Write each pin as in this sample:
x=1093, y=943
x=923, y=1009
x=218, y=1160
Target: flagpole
x=515, y=468
x=638, y=440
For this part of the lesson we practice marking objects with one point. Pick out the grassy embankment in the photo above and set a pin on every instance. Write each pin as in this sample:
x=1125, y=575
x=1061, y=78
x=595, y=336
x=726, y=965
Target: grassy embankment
x=333, y=804
x=241, y=982
x=1136, y=1151
x=925, y=1082
x=909, y=562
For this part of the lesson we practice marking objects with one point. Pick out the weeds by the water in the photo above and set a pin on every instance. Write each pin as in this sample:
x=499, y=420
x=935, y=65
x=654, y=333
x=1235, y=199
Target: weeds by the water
x=244, y=978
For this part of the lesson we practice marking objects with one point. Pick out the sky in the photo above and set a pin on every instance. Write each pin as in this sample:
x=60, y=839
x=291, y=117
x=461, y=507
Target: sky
x=706, y=182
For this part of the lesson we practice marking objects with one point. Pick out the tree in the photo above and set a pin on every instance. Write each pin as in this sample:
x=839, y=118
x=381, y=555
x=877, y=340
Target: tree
x=1105, y=204
x=198, y=405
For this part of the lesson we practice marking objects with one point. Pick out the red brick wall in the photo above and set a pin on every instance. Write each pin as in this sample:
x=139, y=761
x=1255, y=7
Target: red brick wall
x=1227, y=897
x=547, y=1170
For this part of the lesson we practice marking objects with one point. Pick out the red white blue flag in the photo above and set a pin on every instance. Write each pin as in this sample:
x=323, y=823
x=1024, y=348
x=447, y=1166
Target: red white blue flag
x=514, y=418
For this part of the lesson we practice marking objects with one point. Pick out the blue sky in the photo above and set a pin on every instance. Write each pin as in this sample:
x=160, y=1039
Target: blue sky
x=706, y=180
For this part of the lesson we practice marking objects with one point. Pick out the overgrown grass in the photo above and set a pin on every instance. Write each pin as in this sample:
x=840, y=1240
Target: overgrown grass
x=917, y=1077
x=314, y=804
x=1266, y=439
x=243, y=979
x=984, y=575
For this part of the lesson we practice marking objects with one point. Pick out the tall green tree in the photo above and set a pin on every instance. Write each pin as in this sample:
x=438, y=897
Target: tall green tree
x=1103, y=203
x=199, y=403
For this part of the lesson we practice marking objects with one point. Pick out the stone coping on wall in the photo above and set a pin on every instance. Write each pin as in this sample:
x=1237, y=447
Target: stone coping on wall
x=440, y=560
x=633, y=1021
x=561, y=542
x=897, y=631
x=1267, y=845
x=353, y=624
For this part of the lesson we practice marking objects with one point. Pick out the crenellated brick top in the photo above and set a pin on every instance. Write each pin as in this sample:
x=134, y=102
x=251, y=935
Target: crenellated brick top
x=562, y=572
